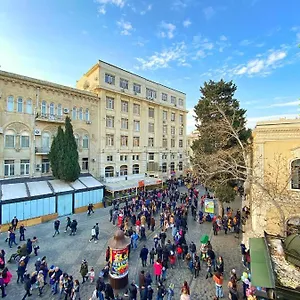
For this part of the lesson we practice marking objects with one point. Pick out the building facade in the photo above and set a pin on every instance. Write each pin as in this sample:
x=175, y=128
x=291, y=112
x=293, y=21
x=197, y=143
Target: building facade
x=124, y=125
x=193, y=136
x=275, y=197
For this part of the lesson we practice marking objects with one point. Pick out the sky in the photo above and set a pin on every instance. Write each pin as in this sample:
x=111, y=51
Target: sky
x=179, y=43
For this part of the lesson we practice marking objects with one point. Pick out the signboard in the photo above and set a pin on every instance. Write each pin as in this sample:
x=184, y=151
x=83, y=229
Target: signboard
x=119, y=263
x=209, y=206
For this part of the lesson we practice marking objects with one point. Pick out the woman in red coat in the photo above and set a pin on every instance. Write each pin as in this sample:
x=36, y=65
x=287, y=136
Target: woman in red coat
x=157, y=268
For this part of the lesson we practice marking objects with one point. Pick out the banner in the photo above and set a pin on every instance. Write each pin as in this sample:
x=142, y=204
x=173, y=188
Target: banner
x=119, y=263
x=209, y=205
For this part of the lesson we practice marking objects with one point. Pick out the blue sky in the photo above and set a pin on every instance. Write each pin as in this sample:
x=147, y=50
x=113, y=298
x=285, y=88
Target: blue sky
x=180, y=43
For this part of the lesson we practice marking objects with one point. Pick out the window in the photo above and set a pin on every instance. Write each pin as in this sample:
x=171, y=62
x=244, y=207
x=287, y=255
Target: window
x=124, y=141
x=109, y=158
x=172, y=156
x=51, y=109
x=181, y=119
x=110, y=122
x=59, y=110
x=10, y=139
x=110, y=79
x=123, y=157
x=109, y=171
x=124, y=106
x=9, y=167
x=150, y=94
x=164, y=167
x=109, y=140
x=151, y=112
x=151, y=127
x=25, y=140
x=136, y=141
x=80, y=114
x=165, y=143
x=85, y=164
x=180, y=166
x=137, y=88
x=110, y=103
x=85, y=142
x=45, y=165
x=180, y=143
x=136, y=109
x=87, y=115
x=180, y=102
x=46, y=141
x=10, y=103
x=123, y=170
x=74, y=113
x=173, y=130
x=151, y=156
x=29, y=106
x=173, y=100
x=172, y=143
x=173, y=117
x=123, y=83
x=135, y=157
x=165, y=115
x=44, y=108
x=20, y=105
x=181, y=130
x=76, y=140
x=136, y=125
x=172, y=166
x=180, y=155
x=164, y=97
x=135, y=169
x=25, y=166
x=164, y=156
x=150, y=142
x=124, y=123
x=165, y=129
x=295, y=168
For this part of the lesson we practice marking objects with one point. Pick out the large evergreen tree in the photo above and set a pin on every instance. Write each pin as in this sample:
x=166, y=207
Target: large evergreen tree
x=221, y=125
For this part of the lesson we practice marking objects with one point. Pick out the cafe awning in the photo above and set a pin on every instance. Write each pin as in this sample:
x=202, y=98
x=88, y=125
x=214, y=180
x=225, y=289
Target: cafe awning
x=261, y=266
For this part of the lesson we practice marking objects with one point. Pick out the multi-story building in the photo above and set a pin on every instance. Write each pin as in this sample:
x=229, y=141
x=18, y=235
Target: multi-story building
x=193, y=136
x=124, y=124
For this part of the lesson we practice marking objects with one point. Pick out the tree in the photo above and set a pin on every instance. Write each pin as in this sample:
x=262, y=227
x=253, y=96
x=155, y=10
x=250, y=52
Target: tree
x=225, y=193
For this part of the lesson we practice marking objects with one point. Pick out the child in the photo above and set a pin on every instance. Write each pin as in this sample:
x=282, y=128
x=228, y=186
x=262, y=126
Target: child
x=92, y=275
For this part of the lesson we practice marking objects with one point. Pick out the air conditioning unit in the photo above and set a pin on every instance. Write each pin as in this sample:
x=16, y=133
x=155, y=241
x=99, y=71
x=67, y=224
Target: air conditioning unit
x=150, y=98
x=37, y=132
x=88, y=122
x=38, y=168
x=66, y=111
x=1, y=130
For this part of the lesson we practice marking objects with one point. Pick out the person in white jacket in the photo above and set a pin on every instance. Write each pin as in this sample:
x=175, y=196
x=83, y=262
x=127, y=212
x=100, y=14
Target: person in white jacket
x=93, y=233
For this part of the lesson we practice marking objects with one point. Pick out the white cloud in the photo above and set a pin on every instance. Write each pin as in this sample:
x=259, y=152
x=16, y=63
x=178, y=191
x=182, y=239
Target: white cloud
x=101, y=10
x=148, y=8
x=245, y=43
x=126, y=27
x=259, y=45
x=286, y=104
x=179, y=4
x=223, y=38
x=237, y=52
x=223, y=43
x=186, y=23
x=176, y=53
x=251, y=122
x=275, y=56
x=208, y=12
x=103, y=3
x=167, y=30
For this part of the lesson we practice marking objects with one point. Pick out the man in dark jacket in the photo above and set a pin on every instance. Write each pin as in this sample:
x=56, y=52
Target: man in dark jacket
x=56, y=275
x=27, y=286
x=132, y=291
x=22, y=232
x=144, y=255
x=56, y=227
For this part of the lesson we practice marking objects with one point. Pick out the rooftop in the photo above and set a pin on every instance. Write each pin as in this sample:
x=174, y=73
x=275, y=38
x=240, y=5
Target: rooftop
x=281, y=121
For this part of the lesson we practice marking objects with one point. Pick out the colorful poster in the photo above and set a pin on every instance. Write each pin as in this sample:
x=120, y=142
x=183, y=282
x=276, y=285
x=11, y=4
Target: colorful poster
x=209, y=206
x=119, y=263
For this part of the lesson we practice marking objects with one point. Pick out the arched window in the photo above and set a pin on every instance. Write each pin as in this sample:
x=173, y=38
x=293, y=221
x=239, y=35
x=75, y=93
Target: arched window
x=164, y=167
x=85, y=142
x=10, y=103
x=180, y=166
x=44, y=108
x=76, y=139
x=80, y=114
x=74, y=113
x=109, y=171
x=135, y=169
x=295, y=169
x=87, y=114
x=45, y=141
x=59, y=110
x=29, y=106
x=25, y=140
x=10, y=139
x=20, y=105
x=123, y=170
x=172, y=166
x=52, y=109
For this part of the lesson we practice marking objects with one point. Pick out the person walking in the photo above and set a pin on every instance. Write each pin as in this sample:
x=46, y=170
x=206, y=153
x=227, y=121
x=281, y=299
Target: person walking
x=27, y=286
x=97, y=230
x=22, y=230
x=93, y=234
x=40, y=282
x=157, y=270
x=2, y=286
x=68, y=225
x=76, y=290
x=84, y=269
x=14, y=223
x=197, y=266
x=218, y=279
x=144, y=255
x=35, y=245
x=12, y=239
x=56, y=227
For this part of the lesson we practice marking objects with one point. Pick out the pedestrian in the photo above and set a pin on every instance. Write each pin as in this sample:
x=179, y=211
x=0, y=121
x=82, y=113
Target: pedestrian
x=35, y=245
x=22, y=230
x=150, y=292
x=68, y=224
x=27, y=286
x=2, y=286
x=97, y=231
x=40, y=282
x=170, y=292
x=73, y=227
x=107, y=254
x=93, y=234
x=109, y=292
x=144, y=255
x=92, y=275
x=12, y=239
x=218, y=279
x=21, y=271
x=157, y=270
x=185, y=287
x=152, y=254
x=90, y=209
x=184, y=295
x=220, y=265
x=84, y=269
x=14, y=223
x=56, y=227
x=197, y=266
x=132, y=291
x=76, y=290
x=208, y=268
x=29, y=247
x=142, y=279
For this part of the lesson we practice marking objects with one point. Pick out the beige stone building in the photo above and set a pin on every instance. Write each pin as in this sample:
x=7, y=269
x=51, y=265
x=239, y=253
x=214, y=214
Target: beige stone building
x=275, y=193
x=125, y=125
x=194, y=135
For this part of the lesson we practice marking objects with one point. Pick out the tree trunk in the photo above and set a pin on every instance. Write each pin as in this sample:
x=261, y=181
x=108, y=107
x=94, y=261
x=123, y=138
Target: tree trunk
x=220, y=208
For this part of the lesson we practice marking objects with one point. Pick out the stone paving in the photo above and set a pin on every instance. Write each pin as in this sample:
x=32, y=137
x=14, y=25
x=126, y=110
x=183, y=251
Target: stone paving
x=67, y=252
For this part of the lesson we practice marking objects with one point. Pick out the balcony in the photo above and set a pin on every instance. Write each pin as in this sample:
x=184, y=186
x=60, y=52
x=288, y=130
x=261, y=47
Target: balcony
x=42, y=150
x=50, y=118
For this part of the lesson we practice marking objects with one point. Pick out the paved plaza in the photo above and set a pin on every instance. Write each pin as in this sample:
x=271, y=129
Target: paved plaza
x=67, y=252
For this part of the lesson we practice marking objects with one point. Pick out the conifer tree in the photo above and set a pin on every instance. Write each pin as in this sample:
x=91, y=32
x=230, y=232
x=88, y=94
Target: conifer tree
x=56, y=153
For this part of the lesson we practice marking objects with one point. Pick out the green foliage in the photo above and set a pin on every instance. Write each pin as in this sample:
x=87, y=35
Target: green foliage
x=225, y=193
x=63, y=155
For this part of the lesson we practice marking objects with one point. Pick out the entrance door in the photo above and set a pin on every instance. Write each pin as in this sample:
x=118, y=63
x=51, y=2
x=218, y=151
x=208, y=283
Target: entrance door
x=64, y=205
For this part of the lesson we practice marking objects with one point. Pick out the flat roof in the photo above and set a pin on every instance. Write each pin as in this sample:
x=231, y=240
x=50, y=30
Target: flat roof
x=139, y=76
x=13, y=191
